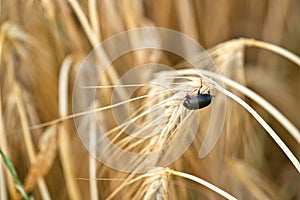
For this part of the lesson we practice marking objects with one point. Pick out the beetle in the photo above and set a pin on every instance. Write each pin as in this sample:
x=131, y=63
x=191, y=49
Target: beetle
x=197, y=102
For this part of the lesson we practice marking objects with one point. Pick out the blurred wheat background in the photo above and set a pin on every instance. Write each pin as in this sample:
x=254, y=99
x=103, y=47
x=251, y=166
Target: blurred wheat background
x=39, y=38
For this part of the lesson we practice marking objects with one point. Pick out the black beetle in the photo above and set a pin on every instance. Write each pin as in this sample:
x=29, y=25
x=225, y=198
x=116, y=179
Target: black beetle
x=197, y=102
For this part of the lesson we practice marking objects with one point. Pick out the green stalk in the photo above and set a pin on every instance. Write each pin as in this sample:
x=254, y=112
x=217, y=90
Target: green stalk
x=14, y=174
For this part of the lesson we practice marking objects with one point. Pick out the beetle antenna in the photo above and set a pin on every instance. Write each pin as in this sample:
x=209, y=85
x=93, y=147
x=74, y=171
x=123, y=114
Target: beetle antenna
x=200, y=86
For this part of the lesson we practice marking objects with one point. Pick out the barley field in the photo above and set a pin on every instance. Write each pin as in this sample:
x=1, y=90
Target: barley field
x=93, y=99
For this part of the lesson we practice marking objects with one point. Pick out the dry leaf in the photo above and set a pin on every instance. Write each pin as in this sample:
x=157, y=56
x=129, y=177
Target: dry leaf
x=45, y=158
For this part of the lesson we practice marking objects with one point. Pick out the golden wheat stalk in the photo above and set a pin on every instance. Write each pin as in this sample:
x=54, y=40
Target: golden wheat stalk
x=11, y=33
